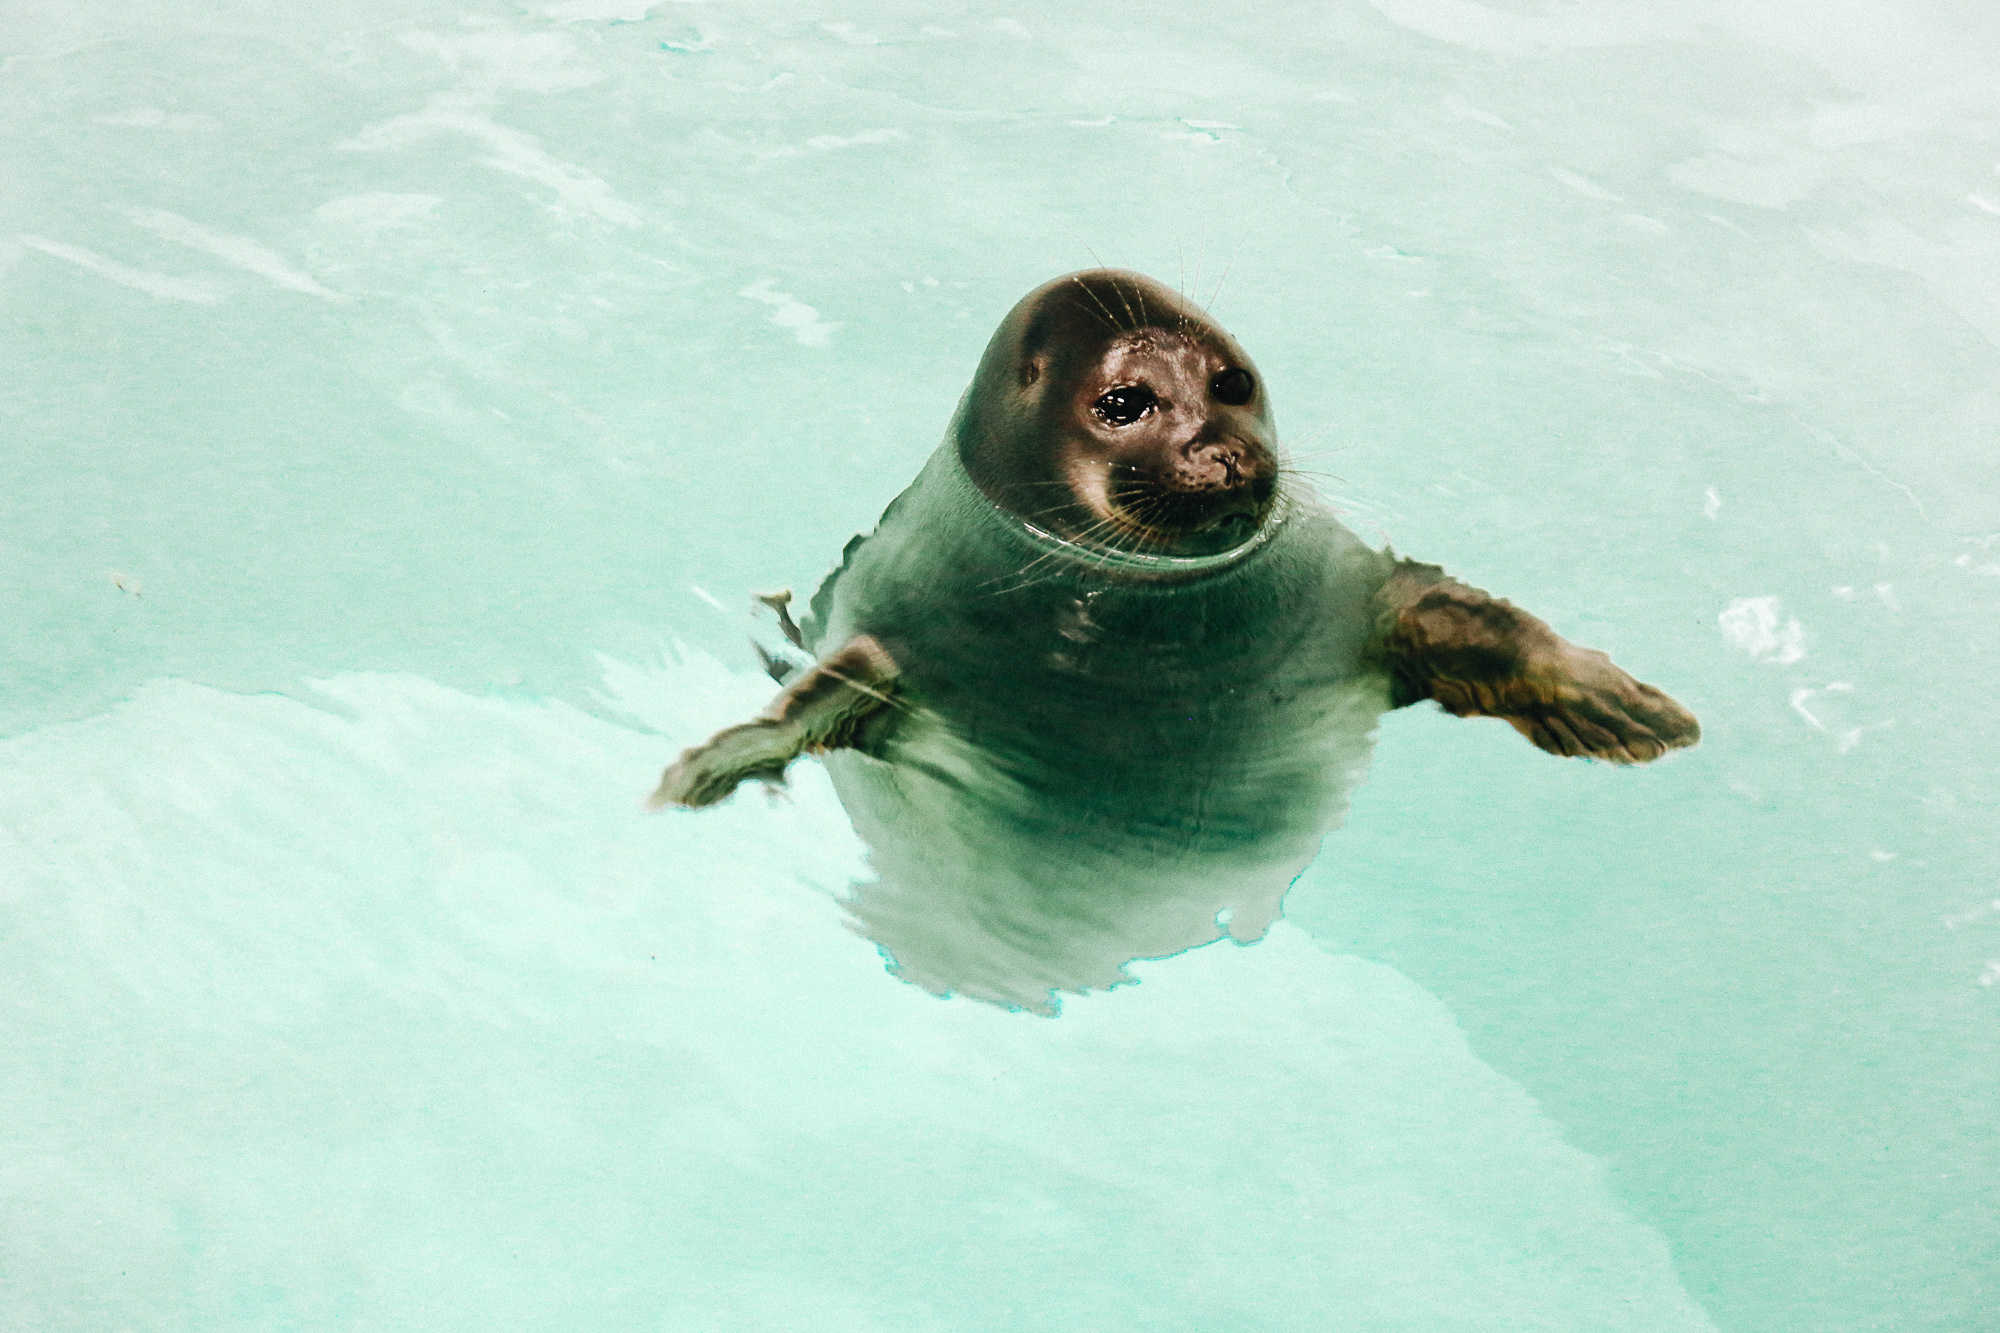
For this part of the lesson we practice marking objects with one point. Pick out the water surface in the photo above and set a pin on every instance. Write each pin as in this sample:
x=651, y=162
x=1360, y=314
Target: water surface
x=403, y=402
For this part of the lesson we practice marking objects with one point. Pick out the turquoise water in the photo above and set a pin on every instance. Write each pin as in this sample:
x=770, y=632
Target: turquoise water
x=403, y=402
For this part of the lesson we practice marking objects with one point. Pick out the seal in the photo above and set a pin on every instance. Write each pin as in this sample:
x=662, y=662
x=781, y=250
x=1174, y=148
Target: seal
x=1105, y=675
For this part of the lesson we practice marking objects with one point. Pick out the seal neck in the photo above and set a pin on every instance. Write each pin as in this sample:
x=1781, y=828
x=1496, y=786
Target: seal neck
x=1086, y=557
x=1174, y=567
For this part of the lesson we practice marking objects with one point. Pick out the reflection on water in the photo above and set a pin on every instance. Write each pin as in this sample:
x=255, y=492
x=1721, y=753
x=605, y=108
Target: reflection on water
x=1130, y=766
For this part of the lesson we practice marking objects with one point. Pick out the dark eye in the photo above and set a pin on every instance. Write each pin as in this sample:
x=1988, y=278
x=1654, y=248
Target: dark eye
x=1122, y=407
x=1233, y=387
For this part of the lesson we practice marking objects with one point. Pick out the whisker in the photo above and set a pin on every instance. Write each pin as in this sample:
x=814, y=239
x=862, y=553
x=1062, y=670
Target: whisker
x=1293, y=456
x=1052, y=509
x=1116, y=287
x=1201, y=253
x=1180, y=313
x=1045, y=556
x=1104, y=319
x=1110, y=318
x=1056, y=508
x=1096, y=259
x=1079, y=544
x=1078, y=238
x=1290, y=450
x=1212, y=296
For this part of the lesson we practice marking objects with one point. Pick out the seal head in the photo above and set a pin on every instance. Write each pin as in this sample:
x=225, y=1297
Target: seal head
x=1109, y=411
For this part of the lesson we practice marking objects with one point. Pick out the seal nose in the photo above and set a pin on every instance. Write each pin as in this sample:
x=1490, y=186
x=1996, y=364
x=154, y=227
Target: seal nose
x=1204, y=493
x=1227, y=465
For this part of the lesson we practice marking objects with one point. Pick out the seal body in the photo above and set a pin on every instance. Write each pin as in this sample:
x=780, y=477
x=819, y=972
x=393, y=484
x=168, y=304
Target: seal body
x=1099, y=682
x=1098, y=758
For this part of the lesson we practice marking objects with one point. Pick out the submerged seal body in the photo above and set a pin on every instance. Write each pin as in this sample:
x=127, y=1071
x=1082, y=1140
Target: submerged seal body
x=1103, y=677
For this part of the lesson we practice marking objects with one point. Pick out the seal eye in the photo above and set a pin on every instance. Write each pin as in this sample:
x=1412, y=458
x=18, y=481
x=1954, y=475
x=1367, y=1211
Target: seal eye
x=1233, y=387
x=1123, y=406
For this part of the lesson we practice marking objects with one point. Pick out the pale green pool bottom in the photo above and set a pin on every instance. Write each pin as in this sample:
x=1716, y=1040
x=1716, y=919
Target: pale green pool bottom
x=460, y=356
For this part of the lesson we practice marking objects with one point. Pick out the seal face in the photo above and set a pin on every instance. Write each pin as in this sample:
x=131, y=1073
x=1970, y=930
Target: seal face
x=1110, y=411
x=1099, y=682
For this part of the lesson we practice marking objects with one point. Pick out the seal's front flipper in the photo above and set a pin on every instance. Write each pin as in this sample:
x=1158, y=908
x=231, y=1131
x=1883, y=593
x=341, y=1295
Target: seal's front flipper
x=1479, y=656
x=712, y=770
x=1576, y=701
x=781, y=602
x=825, y=709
